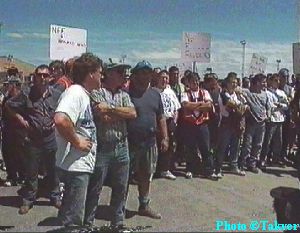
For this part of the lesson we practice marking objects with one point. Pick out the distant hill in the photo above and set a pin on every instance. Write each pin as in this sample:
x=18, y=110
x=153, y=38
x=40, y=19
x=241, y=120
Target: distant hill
x=5, y=63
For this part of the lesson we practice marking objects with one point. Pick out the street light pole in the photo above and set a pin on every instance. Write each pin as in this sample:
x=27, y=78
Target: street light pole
x=1, y=25
x=243, y=43
x=278, y=62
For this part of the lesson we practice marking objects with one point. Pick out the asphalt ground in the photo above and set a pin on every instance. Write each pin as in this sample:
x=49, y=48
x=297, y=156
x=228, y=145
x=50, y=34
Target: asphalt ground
x=186, y=205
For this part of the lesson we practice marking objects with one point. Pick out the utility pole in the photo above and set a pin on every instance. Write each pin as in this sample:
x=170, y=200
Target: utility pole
x=1, y=25
x=278, y=62
x=194, y=68
x=243, y=43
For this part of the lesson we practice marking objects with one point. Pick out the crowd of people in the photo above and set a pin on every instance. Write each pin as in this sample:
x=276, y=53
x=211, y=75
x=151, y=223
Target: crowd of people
x=85, y=124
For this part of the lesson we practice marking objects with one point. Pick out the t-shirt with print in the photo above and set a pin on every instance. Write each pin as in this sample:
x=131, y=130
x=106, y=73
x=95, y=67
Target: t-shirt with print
x=75, y=103
x=170, y=102
x=148, y=105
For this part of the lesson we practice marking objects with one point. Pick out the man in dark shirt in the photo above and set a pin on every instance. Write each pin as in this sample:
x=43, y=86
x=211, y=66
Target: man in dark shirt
x=142, y=132
x=37, y=119
x=12, y=135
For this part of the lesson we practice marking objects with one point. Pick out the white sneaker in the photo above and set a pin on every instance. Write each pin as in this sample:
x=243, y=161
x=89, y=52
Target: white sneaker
x=219, y=175
x=188, y=175
x=168, y=175
x=8, y=183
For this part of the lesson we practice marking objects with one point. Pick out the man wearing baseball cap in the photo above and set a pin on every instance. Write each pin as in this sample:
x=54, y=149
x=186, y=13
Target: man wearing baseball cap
x=112, y=108
x=142, y=132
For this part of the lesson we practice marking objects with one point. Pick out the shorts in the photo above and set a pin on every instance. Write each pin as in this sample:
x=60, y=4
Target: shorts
x=144, y=158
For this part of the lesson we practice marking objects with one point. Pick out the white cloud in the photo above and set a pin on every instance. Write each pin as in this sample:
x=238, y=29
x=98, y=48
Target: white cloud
x=226, y=55
x=15, y=35
x=36, y=35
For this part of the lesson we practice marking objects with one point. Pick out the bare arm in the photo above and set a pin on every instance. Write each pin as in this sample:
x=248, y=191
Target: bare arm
x=190, y=106
x=162, y=125
x=119, y=112
x=198, y=106
x=66, y=129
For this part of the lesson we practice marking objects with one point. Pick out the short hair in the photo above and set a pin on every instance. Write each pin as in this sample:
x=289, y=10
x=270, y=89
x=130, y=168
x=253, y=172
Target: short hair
x=163, y=71
x=258, y=78
x=208, y=77
x=187, y=72
x=41, y=67
x=274, y=76
x=154, y=80
x=230, y=76
x=69, y=67
x=85, y=64
x=173, y=68
x=57, y=65
x=193, y=76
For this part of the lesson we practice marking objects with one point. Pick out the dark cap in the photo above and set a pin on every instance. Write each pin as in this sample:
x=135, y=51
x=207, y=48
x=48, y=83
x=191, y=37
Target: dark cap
x=284, y=72
x=143, y=65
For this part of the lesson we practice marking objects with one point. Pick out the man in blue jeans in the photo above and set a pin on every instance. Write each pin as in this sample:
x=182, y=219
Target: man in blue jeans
x=112, y=108
x=76, y=138
x=34, y=116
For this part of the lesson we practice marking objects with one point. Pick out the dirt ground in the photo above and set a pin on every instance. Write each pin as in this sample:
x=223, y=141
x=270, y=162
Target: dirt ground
x=186, y=205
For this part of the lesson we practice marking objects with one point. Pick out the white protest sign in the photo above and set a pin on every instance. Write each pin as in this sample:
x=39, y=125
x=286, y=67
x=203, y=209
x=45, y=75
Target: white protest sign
x=258, y=64
x=196, y=47
x=66, y=42
x=296, y=58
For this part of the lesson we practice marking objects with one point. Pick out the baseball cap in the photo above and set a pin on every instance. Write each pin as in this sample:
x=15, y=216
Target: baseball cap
x=111, y=65
x=141, y=66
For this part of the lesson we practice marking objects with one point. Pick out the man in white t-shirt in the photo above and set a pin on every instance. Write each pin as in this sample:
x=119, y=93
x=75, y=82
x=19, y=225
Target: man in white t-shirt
x=76, y=138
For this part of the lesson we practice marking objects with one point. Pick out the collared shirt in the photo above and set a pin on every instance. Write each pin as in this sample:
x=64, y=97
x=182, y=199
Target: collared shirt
x=115, y=131
x=112, y=137
x=279, y=104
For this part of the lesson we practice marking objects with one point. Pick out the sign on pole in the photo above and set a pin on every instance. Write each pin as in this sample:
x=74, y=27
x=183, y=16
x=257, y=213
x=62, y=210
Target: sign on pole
x=183, y=66
x=296, y=58
x=258, y=64
x=66, y=42
x=195, y=47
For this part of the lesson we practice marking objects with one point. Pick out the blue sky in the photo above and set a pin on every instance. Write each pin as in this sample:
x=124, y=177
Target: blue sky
x=153, y=29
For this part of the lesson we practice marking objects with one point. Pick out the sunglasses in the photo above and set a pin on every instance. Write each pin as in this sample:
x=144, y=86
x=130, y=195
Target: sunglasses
x=45, y=75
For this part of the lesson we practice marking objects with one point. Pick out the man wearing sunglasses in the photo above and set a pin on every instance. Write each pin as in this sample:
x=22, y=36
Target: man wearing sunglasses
x=35, y=116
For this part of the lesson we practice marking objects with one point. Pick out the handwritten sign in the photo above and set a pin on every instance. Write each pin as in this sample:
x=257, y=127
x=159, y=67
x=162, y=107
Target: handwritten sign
x=66, y=42
x=196, y=47
x=258, y=64
x=296, y=58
